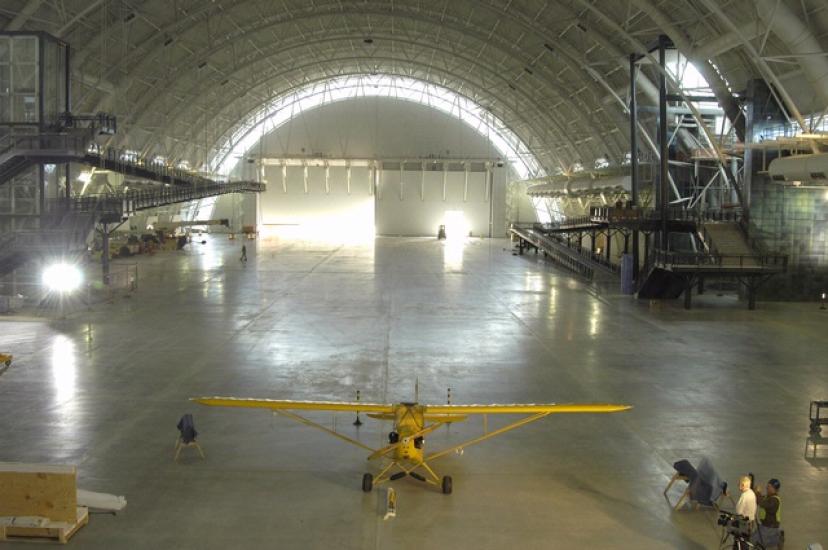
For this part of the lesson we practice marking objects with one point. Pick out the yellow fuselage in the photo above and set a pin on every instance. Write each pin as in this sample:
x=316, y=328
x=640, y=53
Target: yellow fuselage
x=408, y=420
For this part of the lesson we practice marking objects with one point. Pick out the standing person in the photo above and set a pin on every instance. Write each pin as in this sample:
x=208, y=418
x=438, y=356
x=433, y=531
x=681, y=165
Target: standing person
x=746, y=505
x=244, y=254
x=769, y=515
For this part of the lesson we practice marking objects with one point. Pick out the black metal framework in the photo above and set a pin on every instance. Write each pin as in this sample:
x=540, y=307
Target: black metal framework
x=663, y=146
x=634, y=176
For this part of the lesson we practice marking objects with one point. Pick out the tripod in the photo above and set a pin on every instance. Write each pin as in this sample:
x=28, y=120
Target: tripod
x=741, y=541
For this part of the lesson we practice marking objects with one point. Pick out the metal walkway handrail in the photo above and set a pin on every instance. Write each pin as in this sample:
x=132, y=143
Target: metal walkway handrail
x=121, y=204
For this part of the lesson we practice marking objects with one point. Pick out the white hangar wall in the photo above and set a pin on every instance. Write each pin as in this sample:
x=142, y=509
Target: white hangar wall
x=388, y=130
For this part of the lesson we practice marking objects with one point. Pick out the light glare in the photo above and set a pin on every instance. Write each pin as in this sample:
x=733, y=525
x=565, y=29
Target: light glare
x=62, y=277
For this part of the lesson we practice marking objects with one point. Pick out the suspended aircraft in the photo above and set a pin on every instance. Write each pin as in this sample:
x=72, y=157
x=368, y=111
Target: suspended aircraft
x=405, y=453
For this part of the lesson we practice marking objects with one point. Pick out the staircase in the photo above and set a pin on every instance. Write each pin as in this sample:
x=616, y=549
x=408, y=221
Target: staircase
x=727, y=239
x=20, y=152
x=11, y=166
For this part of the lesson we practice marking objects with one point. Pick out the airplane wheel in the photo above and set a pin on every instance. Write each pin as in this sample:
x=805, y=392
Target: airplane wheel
x=367, y=483
x=446, y=485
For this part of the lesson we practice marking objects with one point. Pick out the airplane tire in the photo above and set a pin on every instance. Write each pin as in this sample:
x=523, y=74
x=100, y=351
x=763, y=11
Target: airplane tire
x=447, y=485
x=367, y=483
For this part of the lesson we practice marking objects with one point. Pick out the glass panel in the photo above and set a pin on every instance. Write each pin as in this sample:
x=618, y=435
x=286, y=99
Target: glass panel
x=50, y=81
x=26, y=191
x=5, y=80
x=24, y=108
x=24, y=49
x=5, y=109
x=5, y=199
x=61, y=79
x=24, y=78
x=5, y=43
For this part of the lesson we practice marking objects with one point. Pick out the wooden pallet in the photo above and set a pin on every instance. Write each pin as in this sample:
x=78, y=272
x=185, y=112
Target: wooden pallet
x=12, y=530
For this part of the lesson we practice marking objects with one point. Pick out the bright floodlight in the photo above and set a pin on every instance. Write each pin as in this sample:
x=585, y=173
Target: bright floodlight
x=62, y=277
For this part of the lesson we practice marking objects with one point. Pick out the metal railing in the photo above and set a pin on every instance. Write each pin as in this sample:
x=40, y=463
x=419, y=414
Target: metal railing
x=46, y=144
x=554, y=244
x=614, y=214
x=131, y=201
x=722, y=262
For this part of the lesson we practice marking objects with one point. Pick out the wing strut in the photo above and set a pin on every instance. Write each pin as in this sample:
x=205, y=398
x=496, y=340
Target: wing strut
x=522, y=422
x=311, y=423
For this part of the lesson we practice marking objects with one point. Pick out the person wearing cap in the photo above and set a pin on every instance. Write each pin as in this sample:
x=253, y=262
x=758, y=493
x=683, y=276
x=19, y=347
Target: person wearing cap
x=769, y=515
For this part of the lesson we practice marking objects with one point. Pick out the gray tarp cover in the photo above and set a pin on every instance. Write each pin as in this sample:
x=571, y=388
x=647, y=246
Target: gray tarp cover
x=707, y=487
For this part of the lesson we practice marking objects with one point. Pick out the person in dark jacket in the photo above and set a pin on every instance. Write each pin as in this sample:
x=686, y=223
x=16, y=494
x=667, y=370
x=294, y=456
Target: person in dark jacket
x=769, y=515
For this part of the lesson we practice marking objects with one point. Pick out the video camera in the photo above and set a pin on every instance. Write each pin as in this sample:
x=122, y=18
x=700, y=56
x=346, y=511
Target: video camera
x=734, y=524
x=728, y=519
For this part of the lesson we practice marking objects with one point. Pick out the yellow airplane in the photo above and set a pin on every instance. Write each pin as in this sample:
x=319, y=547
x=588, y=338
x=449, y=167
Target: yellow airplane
x=412, y=422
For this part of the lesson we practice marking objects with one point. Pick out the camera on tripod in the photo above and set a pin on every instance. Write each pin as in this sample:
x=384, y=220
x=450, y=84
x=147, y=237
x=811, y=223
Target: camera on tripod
x=738, y=527
x=729, y=520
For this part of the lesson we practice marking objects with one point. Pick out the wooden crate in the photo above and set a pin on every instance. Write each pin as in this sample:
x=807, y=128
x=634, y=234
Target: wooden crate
x=40, y=490
x=16, y=529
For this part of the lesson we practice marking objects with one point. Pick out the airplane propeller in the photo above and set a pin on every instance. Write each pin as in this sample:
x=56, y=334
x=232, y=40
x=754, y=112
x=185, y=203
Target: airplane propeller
x=387, y=449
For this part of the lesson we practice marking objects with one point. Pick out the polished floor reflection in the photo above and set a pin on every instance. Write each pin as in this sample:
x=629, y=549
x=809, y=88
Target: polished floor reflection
x=104, y=390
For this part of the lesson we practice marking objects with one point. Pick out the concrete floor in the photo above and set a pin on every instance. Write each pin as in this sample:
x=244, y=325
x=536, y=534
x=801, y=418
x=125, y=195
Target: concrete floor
x=104, y=390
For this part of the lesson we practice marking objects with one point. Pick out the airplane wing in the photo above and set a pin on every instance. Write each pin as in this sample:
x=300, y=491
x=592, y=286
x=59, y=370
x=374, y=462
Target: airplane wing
x=275, y=404
x=527, y=408
x=533, y=412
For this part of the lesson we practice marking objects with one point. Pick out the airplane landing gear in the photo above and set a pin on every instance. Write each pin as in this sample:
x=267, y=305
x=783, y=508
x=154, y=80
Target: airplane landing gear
x=367, y=483
x=446, y=485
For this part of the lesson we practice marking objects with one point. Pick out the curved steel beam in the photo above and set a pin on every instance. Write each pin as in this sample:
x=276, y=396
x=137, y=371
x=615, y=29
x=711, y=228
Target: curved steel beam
x=171, y=121
x=423, y=15
x=528, y=123
x=583, y=111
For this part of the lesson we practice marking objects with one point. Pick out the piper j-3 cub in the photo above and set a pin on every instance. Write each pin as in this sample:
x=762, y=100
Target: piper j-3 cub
x=405, y=452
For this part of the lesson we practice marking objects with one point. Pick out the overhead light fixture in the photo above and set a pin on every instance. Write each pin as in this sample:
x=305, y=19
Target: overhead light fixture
x=130, y=16
x=528, y=70
x=368, y=40
x=512, y=86
x=548, y=47
x=62, y=277
x=168, y=41
x=202, y=64
x=224, y=82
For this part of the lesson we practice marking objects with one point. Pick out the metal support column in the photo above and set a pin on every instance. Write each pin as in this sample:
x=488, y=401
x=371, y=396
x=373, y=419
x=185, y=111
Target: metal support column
x=105, y=253
x=41, y=194
x=634, y=162
x=609, y=244
x=68, y=184
x=688, y=293
x=663, y=138
x=68, y=80
x=646, y=247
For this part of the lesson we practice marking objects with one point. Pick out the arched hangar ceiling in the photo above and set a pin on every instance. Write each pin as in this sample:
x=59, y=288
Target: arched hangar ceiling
x=181, y=75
